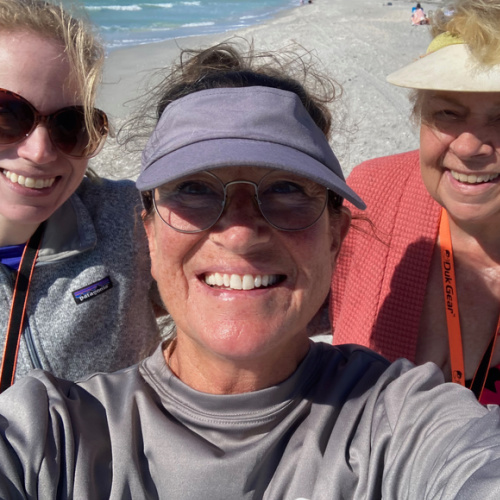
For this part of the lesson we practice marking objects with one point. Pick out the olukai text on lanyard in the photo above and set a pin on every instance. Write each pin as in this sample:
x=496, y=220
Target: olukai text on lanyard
x=453, y=317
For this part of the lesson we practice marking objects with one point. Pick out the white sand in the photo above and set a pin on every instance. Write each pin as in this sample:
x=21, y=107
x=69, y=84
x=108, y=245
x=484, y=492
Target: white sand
x=359, y=42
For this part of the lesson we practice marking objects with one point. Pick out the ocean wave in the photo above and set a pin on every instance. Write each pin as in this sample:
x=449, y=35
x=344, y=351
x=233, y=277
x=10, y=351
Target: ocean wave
x=114, y=7
x=130, y=8
x=159, y=5
x=196, y=25
x=190, y=3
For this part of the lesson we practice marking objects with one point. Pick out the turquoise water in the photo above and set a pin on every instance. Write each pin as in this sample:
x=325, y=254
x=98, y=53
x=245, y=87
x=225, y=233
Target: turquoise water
x=133, y=22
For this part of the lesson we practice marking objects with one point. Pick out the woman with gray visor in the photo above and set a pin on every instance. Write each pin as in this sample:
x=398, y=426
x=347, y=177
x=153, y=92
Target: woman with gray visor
x=243, y=212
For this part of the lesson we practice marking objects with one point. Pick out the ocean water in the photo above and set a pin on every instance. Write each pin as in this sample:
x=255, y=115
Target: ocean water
x=133, y=22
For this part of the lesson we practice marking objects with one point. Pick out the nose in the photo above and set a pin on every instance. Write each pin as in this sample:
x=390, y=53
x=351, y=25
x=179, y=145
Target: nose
x=241, y=226
x=473, y=143
x=38, y=147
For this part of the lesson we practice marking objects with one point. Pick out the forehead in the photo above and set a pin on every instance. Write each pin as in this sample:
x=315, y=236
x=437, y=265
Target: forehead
x=35, y=67
x=481, y=101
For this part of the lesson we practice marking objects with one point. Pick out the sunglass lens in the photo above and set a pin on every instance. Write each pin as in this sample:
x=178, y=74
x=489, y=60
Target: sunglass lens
x=70, y=134
x=190, y=204
x=16, y=119
x=291, y=202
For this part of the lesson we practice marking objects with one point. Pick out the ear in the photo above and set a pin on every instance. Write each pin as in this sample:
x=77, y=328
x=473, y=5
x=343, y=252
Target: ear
x=341, y=225
x=149, y=226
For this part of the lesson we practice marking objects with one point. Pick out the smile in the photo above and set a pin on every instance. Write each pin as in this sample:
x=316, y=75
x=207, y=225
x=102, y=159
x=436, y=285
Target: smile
x=472, y=178
x=242, y=282
x=29, y=182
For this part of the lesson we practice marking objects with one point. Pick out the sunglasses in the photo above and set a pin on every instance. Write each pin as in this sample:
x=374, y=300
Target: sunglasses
x=195, y=203
x=67, y=128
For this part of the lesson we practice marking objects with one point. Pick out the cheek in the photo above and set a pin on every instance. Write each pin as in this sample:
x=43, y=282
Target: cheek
x=318, y=249
x=169, y=251
x=433, y=148
x=434, y=144
x=78, y=169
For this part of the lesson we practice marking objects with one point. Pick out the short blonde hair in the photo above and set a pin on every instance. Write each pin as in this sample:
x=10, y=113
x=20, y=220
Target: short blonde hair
x=83, y=49
x=476, y=22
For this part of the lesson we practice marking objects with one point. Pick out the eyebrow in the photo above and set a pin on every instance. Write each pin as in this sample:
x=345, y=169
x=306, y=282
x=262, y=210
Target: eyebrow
x=495, y=107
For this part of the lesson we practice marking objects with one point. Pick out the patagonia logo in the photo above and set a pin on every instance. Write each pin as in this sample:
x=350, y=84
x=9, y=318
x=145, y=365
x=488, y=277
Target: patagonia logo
x=93, y=290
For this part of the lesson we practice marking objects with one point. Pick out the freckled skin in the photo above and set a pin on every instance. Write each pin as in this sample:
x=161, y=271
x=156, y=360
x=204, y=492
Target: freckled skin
x=229, y=331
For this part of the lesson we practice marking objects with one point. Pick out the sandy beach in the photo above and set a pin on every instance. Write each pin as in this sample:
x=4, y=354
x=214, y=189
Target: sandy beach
x=357, y=42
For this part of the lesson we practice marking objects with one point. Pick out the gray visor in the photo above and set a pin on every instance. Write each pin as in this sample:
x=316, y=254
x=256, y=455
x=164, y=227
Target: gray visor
x=249, y=126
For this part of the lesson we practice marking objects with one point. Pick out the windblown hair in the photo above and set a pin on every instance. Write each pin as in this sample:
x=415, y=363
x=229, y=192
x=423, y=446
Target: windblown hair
x=229, y=65
x=477, y=22
x=82, y=47
x=226, y=66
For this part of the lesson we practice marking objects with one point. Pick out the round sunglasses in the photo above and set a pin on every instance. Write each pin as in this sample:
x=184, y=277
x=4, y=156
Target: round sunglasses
x=196, y=202
x=67, y=128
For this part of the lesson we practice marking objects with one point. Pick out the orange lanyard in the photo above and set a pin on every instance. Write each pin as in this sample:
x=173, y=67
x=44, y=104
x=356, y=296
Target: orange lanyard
x=18, y=308
x=453, y=318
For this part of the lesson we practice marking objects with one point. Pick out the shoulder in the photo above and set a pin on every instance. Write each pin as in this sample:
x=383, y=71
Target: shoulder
x=111, y=203
x=48, y=395
x=382, y=181
x=373, y=171
x=108, y=192
x=354, y=359
x=359, y=352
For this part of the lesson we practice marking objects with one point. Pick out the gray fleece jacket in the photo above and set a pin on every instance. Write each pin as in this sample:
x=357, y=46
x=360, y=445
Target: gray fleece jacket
x=89, y=306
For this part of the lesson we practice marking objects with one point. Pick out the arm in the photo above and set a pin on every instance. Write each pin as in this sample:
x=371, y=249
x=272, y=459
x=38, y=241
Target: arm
x=48, y=444
x=441, y=443
x=26, y=441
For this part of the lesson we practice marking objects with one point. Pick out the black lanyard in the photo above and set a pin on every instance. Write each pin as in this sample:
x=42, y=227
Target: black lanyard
x=18, y=308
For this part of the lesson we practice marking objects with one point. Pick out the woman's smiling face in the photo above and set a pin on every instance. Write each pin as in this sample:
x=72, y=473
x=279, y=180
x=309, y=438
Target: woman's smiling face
x=292, y=271
x=36, y=179
x=460, y=153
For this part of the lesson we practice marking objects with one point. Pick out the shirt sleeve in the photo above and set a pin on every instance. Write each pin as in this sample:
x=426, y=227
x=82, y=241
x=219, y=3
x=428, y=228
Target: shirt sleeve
x=42, y=428
x=26, y=437
x=437, y=440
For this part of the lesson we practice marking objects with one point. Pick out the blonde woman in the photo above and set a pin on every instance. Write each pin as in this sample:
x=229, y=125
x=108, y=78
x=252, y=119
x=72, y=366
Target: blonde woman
x=75, y=285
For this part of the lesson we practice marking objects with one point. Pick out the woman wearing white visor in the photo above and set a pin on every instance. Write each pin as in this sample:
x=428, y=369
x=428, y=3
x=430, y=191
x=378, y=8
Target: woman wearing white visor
x=430, y=289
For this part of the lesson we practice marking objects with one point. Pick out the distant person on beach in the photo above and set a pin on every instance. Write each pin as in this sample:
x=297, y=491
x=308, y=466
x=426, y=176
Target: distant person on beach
x=427, y=287
x=243, y=208
x=75, y=286
x=418, y=16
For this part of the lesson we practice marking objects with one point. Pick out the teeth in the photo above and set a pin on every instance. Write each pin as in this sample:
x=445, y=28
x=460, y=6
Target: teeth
x=29, y=182
x=472, y=178
x=237, y=282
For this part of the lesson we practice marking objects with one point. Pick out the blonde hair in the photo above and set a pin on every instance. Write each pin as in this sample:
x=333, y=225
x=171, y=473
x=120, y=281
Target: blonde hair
x=82, y=47
x=476, y=22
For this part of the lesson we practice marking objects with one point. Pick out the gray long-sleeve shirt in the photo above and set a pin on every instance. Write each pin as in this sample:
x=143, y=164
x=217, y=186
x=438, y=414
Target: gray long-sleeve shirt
x=345, y=425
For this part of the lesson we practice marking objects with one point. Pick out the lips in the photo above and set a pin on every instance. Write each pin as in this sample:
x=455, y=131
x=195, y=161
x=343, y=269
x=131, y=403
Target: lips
x=242, y=281
x=29, y=182
x=473, y=178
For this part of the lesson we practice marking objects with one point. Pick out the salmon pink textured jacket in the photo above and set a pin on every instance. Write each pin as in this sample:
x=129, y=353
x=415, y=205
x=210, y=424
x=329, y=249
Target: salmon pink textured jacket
x=379, y=286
